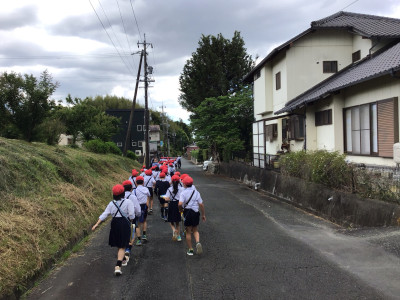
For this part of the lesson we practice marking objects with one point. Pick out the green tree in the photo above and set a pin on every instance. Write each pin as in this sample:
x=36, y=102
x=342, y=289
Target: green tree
x=88, y=119
x=25, y=102
x=222, y=124
x=215, y=69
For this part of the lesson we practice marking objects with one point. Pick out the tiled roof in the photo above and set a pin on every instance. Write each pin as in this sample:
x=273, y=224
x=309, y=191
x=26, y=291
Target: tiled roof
x=365, y=25
x=384, y=62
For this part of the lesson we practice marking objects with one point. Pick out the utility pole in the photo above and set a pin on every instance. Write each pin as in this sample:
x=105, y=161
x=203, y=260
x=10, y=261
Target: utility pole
x=146, y=107
x=128, y=133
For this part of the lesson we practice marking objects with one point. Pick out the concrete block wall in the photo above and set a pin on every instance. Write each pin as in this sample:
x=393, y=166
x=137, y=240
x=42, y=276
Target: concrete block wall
x=342, y=208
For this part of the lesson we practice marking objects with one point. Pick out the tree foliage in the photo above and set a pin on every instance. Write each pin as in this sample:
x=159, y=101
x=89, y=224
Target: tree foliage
x=215, y=69
x=25, y=103
x=87, y=118
x=223, y=123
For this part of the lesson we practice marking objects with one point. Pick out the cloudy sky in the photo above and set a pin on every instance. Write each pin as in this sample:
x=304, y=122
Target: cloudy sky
x=86, y=44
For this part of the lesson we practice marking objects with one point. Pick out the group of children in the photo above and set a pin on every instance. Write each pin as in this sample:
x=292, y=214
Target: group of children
x=133, y=201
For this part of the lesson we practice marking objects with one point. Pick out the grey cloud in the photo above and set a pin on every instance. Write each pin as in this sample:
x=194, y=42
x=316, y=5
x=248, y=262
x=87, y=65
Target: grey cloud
x=25, y=16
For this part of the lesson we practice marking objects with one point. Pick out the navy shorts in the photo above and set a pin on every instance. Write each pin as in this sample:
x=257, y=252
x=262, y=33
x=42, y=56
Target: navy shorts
x=151, y=191
x=143, y=215
x=192, y=218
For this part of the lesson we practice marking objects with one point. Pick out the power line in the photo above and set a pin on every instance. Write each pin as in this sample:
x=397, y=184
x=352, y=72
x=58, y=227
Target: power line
x=350, y=4
x=126, y=35
x=108, y=34
x=137, y=25
x=112, y=29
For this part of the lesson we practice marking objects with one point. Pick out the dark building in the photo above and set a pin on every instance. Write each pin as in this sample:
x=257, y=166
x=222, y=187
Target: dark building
x=136, y=141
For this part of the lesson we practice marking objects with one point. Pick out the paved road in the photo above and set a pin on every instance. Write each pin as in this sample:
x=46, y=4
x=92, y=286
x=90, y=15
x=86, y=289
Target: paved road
x=254, y=248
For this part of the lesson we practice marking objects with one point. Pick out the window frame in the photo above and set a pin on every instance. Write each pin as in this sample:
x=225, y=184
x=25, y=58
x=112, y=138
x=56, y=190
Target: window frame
x=323, y=117
x=356, y=56
x=139, y=128
x=329, y=66
x=278, y=81
x=381, y=148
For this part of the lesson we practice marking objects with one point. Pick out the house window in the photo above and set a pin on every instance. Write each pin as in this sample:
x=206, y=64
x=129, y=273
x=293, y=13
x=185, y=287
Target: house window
x=323, y=117
x=278, y=81
x=271, y=132
x=330, y=66
x=134, y=144
x=139, y=128
x=296, y=127
x=356, y=56
x=140, y=144
x=119, y=144
x=138, y=152
x=361, y=128
x=258, y=144
x=257, y=75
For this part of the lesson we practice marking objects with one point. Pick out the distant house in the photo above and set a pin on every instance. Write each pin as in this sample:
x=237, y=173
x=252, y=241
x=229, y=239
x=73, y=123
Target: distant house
x=154, y=139
x=190, y=148
x=136, y=141
x=335, y=86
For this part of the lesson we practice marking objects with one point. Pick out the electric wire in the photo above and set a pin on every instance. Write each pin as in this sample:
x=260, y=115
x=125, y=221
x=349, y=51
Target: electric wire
x=112, y=29
x=349, y=5
x=137, y=25
x=126, y=34
x=108, y=35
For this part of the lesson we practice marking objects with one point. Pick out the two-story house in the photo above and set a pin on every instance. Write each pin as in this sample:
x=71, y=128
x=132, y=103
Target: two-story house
x=334, y=86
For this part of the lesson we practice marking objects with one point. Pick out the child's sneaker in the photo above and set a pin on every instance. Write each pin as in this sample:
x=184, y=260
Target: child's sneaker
x=144, y=237
x=178, y=238
x=190, y=252
x=117, y=271
x=138, y=243
x=127, y=252
x=199, y=248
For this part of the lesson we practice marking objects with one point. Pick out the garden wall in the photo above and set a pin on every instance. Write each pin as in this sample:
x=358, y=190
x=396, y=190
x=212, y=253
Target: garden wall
x=343, y=208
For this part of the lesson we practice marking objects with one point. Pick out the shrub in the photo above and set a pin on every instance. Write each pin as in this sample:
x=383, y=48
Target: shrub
x=195, y=153
x=130, y=154
x=328, y=168
x=96, y=146
x=113, y=148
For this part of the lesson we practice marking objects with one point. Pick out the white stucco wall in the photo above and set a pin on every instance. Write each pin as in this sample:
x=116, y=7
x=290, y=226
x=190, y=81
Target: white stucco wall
x=306, y=55
x=279, y=96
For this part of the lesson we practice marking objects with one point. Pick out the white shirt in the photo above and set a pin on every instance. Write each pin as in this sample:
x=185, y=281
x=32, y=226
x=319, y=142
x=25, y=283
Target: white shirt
x=127, y=208
x=172, y=196
x=148, y=181
x=194, y=201
x=142, y=193
x=133, y=180
x=131, y=196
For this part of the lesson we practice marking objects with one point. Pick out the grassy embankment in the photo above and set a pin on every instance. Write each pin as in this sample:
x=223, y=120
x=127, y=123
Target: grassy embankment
x=49, y=199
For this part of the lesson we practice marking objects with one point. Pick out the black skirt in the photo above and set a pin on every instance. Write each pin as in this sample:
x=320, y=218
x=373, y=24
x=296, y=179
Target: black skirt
x=120, y=233
x=173, y=212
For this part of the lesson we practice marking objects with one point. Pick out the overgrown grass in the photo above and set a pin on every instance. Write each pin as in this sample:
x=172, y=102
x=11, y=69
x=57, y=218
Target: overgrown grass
x=50, y=197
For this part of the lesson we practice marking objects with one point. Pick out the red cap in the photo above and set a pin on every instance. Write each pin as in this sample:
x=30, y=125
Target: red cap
x=127, y=182
x=184, y=175
x=153, y=167
x=139, y=178
x=171, y=165
x=134, y=172
x=177, y=173
x=141, y=170
x=118, y=190
x=162, y=175
x=148, y=172
x=187, y=180
x=175, y=178
x=143, y=166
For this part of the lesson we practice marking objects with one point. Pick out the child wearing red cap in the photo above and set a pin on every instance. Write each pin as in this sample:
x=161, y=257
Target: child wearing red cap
x=160, y=189
x=133, y=178
x=150, y=183
x=143, y=196
x=130, y=195
x=174, y=216
x=122, y=211
x=192, y=203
